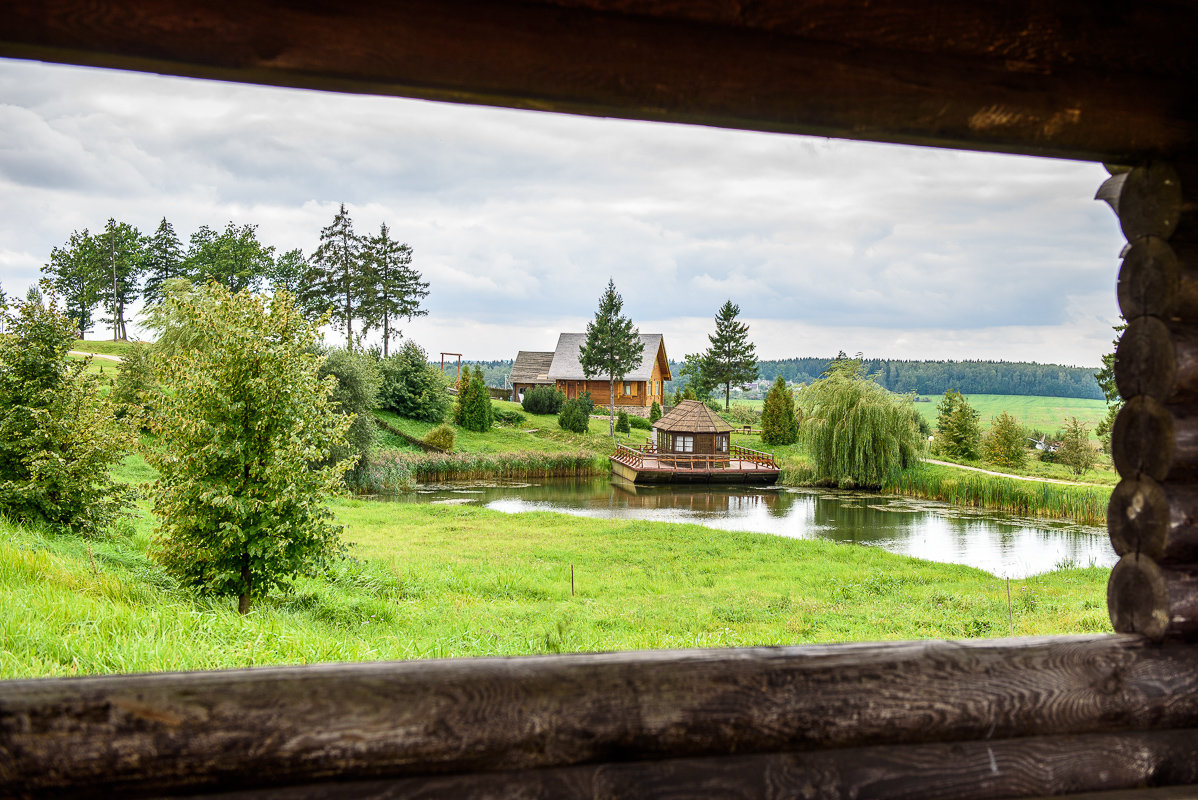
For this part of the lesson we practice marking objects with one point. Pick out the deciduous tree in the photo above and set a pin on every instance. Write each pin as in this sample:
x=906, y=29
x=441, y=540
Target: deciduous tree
x=234, y=258
x=612, y=348
x=730, y=357
x=58, y=437
x=77, y=271
x=1075, y=451
x=240, y=510
x=1005, y=445
x=122, y=251
x=958, y=434
x=855, y=431
x=412, y=387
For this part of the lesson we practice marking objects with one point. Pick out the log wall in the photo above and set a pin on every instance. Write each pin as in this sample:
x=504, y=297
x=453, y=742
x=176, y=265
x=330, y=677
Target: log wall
x=1154, y=588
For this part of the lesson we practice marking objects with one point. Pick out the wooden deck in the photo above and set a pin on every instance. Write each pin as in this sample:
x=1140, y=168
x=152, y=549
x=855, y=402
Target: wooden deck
x=740, y=465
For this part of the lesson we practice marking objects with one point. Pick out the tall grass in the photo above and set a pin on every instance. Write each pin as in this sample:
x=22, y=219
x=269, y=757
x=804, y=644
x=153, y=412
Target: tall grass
x=393, y=470
x=1084, y=504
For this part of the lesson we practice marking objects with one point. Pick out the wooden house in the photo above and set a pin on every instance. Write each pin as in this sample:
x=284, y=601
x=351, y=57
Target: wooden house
x=638, y=391
x=1115, y=714
x=530, y=370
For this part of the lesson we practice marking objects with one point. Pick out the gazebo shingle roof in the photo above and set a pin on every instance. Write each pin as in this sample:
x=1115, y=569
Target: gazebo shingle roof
x=691, y=416
x=531, y=366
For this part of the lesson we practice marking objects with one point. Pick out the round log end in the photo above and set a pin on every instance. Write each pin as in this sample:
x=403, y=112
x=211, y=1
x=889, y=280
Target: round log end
x=1145, y=361
x=1150, y=202
x=1142, y=441
x=1149, y=278
x=1138, y=598
x=1138, y=518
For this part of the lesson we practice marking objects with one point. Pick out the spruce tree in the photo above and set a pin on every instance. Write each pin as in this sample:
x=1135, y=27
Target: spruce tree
x=164, y=262
x=778, y=424
x=612, y=347
x=730, y=357
x=397, y=287
x=475, y=403
x=339, y=277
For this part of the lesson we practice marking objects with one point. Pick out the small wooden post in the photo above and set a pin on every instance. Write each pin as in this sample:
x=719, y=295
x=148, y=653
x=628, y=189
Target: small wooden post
x=1153, y=514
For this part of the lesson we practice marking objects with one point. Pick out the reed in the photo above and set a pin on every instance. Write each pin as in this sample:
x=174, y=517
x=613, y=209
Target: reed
x=1083, y=504
x=398, y=470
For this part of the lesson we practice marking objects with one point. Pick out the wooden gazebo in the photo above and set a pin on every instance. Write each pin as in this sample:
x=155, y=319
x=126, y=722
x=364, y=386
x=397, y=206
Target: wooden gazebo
x=691, y=444
x=1111, y=82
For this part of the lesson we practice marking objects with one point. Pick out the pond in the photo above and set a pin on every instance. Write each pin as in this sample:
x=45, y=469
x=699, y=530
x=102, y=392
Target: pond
x=1006, y=546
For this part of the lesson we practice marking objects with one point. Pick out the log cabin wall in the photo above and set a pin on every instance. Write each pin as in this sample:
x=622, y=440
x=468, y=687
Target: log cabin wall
x=1108, y=82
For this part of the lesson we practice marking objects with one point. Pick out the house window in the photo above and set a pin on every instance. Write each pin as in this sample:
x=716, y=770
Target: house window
x=684, y=444
x=627, y=389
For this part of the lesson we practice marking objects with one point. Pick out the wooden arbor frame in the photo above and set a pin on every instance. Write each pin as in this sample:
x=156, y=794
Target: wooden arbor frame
x=1072, y=78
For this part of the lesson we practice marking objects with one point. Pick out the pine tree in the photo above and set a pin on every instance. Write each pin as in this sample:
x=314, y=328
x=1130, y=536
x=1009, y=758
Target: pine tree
x=339, y=276
x=397, y=287
x=164, y=262
x=778, y=424
x=730, y=358
x=654, y=412
x=612, y=347
x=77, y=272
x=474, y=401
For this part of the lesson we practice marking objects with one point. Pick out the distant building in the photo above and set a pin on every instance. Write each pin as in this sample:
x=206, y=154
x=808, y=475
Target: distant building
x=529, y=370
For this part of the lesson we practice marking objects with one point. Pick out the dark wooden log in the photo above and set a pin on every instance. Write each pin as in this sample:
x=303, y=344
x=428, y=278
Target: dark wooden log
x=1156, y=440
x=1031, y=766
x=264, y=727
x=1065, y=79
x=1156, y=520
x=1151, y=282
x=1158, y=360
x=1147, y=598
x=1147, y=200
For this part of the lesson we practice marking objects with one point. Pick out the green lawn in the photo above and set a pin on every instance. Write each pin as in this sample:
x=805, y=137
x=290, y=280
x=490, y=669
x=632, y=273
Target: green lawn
x=1046, y=414
x=105, y=346
x=440, y=580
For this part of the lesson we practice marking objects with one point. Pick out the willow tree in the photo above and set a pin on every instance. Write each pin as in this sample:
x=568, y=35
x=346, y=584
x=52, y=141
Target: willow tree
x=855, y=431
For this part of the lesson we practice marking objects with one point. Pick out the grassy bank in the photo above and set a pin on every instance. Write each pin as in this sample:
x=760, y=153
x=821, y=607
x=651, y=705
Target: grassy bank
x=434, y=580
x=392, y=470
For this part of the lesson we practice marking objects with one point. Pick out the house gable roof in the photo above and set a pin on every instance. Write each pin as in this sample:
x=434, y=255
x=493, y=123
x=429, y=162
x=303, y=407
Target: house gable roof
x=567, y=367
x=531, y=366
x=691, y=416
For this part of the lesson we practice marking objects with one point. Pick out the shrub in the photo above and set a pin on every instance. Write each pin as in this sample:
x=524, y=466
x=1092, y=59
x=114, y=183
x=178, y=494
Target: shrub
x=473, y=411
x=622, y=422
x=1075, y=451
x=509, y=416
x=1005, y=444
x=58, y=437
x=134, y=384
x=543, y=400
x=640, y=423
x=442, y=436
x=778, y=424
x=575, y=416
x=588, y=405
x=358, y=381
x=654, y=413
x=411, y=387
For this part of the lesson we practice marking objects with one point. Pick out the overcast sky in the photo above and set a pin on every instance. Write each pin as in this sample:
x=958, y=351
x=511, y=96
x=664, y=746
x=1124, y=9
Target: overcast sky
x=517, y=219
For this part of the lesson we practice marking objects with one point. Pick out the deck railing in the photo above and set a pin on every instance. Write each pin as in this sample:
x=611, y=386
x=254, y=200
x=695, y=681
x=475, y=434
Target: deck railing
x=636, y=458
x=627, y=455
x=756, y=456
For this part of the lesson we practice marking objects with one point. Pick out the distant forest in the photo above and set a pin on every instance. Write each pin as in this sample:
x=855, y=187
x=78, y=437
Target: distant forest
x=967, y=377
x=921, y=377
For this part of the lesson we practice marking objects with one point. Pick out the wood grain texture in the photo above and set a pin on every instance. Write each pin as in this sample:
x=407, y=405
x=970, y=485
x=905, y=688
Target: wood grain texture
x=1030, y=766
x=262, y=727
x=1156, y=601
x=1154, y=519
x=1152, y=282
x=1147, y=200
x=1015, y=77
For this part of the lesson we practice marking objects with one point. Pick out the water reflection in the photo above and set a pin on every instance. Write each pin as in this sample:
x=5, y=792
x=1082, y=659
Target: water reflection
x=1003, y=545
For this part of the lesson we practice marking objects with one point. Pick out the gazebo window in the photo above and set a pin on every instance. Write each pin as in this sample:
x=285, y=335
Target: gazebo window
x=722, y=443
x=684, y=444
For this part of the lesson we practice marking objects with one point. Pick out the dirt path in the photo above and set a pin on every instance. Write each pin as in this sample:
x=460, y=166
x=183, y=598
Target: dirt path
x=94, y=355
x=1007, y=474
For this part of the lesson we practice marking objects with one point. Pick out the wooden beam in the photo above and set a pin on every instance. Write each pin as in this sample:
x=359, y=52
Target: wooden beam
x=1070, y=79
x=299, y=725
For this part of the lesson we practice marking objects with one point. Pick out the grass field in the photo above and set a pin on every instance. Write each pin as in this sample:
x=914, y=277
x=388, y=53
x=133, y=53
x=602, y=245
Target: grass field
x=435, y=581
x=105, y=346
x=1046, y=414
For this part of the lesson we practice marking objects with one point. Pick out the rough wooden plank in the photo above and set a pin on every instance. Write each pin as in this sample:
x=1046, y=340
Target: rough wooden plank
x=978, y=770
x=1156, y=520
x=306, y=724
x=1151, y=599
x=823, y=79
x=1157, y=440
